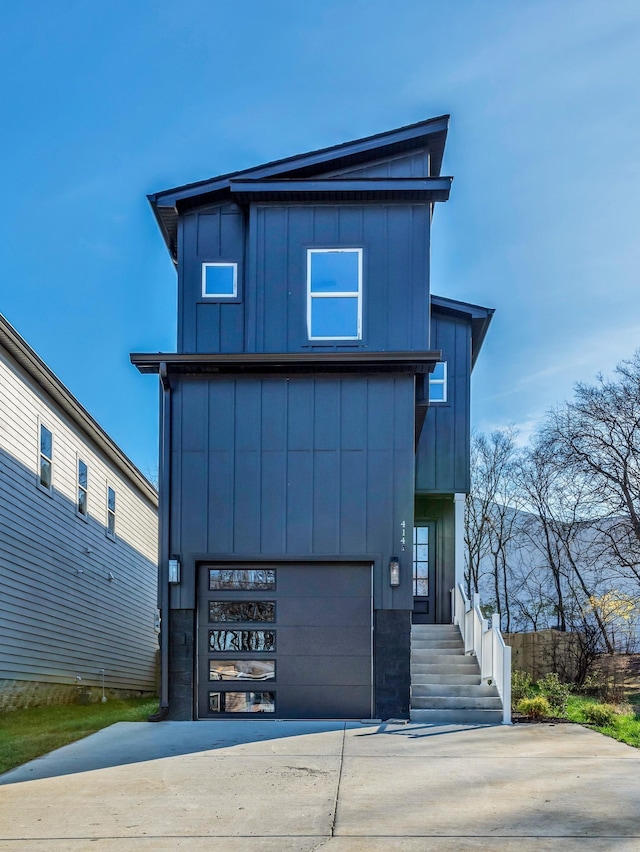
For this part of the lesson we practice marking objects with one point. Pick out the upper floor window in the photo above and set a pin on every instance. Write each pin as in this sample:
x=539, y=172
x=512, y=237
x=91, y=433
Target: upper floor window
x=83, y=486
x=334, y=294
x=438, y=383
x=111, y=512
x=46, y=457
x=220, y=280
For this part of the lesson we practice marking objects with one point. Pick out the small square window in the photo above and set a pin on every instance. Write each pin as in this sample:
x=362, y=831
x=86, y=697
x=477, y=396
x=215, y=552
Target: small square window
x=45, y=464
x=438, y=383
x=334, y=294
x=219, y=280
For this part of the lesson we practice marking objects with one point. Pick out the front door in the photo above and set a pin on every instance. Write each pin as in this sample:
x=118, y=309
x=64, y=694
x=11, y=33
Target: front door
x=424, y=561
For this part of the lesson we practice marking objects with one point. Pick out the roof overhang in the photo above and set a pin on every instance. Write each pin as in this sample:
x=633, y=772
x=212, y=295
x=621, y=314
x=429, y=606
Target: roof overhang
x=479, y=318
x=336, y=189
x=25, y=357
x=287, y=363
x=431, y=133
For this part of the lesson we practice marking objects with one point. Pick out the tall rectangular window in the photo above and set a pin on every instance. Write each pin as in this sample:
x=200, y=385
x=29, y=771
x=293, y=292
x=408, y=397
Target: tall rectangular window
x=334, y=294
x=438, y=383
x=111, y=512
x=46, y=458
x=83, y=487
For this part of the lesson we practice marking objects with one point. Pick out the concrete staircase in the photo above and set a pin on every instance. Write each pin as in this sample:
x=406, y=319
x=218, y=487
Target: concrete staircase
x=445, y=683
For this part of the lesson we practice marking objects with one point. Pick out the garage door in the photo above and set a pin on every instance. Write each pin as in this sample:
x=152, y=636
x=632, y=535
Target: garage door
x=290, y=641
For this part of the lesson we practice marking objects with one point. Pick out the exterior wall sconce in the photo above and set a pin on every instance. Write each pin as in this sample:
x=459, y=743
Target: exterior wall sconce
x=394, y=571
x=174, y=570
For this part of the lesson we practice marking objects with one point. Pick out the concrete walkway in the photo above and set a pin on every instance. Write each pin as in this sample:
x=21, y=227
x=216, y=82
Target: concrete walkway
x=272, y=786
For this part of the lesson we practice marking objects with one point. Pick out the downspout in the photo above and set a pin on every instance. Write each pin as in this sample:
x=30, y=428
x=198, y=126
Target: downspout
x=163, y=544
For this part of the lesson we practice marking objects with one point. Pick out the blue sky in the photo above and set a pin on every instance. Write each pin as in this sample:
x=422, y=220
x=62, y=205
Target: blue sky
x=104, y=102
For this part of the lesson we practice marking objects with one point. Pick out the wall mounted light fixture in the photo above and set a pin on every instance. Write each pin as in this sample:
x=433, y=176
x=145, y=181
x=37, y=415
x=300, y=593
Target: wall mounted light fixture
x=394, y=571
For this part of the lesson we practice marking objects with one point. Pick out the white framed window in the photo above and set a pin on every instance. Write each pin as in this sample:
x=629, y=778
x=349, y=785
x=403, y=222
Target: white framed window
x=45, y=458
x=334, y=294
x=438, y=383
x=219, y=280
x=82, y=485
x=111, y=512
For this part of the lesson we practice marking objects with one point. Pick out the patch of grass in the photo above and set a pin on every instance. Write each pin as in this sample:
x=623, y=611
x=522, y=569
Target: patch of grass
x=26, y=734
x=625, y=727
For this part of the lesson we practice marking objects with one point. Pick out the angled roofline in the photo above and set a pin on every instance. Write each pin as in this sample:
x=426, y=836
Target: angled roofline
x=24, y=356
x=166, y=203
x=479, y=317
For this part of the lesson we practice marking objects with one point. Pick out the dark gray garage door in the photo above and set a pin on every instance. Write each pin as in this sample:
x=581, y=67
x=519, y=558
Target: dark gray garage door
x=290, y=641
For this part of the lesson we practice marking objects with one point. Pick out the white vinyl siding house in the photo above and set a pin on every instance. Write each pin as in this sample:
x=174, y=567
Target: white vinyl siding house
x=75, y=603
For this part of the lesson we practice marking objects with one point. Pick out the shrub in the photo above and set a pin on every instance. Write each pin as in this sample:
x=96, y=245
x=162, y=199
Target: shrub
x=556, y=692
x=520, y=686
x=600, y=714
x=536, y=707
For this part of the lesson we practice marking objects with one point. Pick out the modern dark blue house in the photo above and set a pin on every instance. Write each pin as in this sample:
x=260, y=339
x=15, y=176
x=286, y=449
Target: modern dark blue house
x=314, y=432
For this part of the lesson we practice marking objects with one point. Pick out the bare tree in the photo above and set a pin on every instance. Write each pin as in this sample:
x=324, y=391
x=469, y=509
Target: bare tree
x=491, y=515
x=596, y=439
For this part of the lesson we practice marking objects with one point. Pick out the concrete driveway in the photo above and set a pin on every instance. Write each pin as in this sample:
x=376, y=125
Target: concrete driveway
x=271, y=786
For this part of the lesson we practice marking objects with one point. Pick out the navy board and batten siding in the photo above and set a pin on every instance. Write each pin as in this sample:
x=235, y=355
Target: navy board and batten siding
x=442, y=459
x=293, y=470
x=61, y=614
x=269, y=243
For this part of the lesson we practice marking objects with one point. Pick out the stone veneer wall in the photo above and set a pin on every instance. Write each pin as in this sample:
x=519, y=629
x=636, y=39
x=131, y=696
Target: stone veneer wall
x=392, y=660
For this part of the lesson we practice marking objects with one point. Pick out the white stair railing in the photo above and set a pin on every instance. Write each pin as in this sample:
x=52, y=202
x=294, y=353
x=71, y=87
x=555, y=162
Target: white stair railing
x=486, y=643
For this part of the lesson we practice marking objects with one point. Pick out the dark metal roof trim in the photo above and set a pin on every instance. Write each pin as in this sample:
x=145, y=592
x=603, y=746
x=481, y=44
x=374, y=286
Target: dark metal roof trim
x=23, y=355
x=479, y=317
x=431, y=133
x=344, y=189
x=261, y=362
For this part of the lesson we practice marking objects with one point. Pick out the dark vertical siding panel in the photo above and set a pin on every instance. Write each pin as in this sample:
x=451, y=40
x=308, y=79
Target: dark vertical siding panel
x=380, y=415
x=188, y=283
x=194, y=488
x=207, y=328
x=221, y=437
x=380, y=519
x=442, y=464
x=376, y=272
x=300, y=415
x=248, y=415
x=353, y=407
x=253, y=265
x=353, y=508
x=326, y=502
x=274, y=420
x=326, y=421
x=273, y=502
x=419, y=278
x=325, y=226
x=299, y=502
x=275, y=276
x=300, y=224
x=247, y=486
x=399, y=284
x=208, y=235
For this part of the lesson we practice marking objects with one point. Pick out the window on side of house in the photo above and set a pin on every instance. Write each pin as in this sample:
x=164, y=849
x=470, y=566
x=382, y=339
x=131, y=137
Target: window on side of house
x=219, y=280
x=45, y=465
x=334, y=294
x=111, y=512
x=83, y=489
x=438, y=383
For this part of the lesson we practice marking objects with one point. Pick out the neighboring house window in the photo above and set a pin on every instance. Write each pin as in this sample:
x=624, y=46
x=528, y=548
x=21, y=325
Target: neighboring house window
x=83, y=487
x=111, y=512
x=219, y=280
x=46, y=458
x=438, y=383
x=334, y=294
